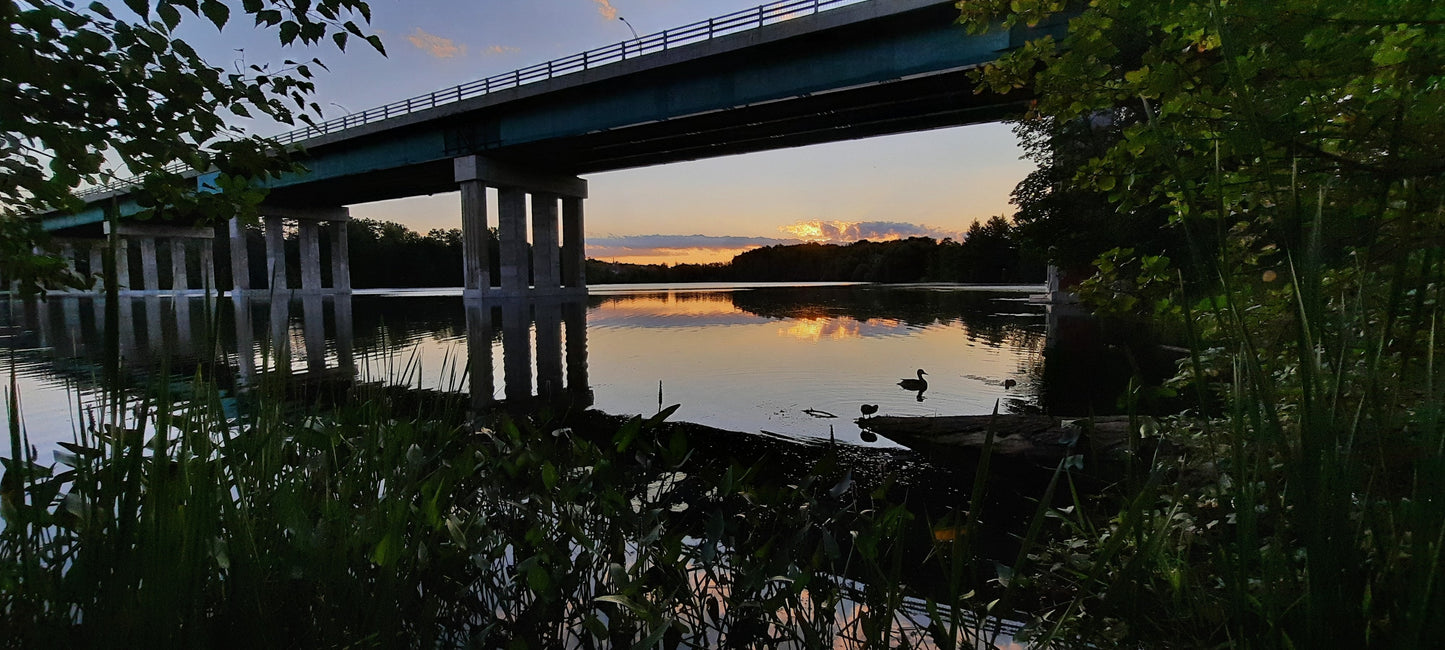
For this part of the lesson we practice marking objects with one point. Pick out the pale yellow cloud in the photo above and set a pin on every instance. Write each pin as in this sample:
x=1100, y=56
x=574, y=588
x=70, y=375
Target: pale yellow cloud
x=437, y=46
x=605, y=8
x=501, y=49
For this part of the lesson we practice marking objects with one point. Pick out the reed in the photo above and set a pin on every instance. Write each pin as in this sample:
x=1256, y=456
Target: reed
x=375, y=522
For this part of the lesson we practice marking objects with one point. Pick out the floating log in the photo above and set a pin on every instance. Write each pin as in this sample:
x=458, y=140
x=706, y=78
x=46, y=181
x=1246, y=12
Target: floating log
x=1039, y=439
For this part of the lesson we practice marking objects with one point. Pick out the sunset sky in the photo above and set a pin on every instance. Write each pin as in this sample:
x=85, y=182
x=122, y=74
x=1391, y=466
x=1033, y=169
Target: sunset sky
x=933, y=183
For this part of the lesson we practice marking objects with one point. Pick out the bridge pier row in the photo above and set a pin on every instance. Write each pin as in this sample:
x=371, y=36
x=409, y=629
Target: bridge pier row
x=310, y=223
x=182, y=243
x=555, y=266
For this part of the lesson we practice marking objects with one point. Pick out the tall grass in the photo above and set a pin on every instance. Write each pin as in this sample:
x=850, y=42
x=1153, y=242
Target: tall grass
x=380, y=521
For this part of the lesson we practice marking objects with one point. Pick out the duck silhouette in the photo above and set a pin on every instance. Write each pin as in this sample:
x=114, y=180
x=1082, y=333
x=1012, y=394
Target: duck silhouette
x=868, y=409
x=915, y=384
x=1009, y=383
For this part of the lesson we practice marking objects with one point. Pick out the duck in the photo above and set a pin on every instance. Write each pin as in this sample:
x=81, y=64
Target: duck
x=1009, y=383
x=868, y=409
x=915, y=384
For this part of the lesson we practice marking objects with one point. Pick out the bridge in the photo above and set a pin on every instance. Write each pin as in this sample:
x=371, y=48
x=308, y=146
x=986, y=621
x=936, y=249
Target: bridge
x=787, y=74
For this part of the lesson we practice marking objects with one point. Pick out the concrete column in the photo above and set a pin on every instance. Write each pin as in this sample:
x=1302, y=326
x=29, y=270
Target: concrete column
x=512, y=231
x=545, y=272
x=513, y=183
x=240, y=262
x=276, y=255
x=150, y=273
x=549, y=348
x=340, y=257
x=574, y=249
x=179, y=282
x=479, y=355
x=476, y=269
x=122, y=264
x=97, y=265
x=310, y=256
x=67, y=253
x=208, y=268
x=516, y=349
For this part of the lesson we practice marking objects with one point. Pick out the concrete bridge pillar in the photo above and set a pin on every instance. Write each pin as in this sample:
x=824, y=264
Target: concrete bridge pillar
x=276, y=254
x=67, y=253
x=240, y=259
x=512, y=236
x=545, y=272
x=476, y=265
x=147, y=235
x=97, y=265
x=150, y=273
x=310, y=256
x=122, y=264
x=574, y=247
x=180, y=282
x=309, y=223
x=476, y=173
x=340, y=257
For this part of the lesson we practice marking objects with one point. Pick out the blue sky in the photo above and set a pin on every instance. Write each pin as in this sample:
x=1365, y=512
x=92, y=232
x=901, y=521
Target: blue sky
x=933, y=183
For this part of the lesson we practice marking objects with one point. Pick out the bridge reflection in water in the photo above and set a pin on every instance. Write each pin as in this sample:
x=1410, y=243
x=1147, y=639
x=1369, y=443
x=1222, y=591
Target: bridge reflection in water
x=543, y=348
x=543, y=342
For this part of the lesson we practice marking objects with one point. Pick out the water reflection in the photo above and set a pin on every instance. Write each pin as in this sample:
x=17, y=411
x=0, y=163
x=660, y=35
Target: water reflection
x=755, y=360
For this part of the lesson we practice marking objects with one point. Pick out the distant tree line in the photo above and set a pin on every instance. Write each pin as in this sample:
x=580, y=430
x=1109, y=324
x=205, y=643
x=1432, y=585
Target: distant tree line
x=388, y=254
x=989, y=252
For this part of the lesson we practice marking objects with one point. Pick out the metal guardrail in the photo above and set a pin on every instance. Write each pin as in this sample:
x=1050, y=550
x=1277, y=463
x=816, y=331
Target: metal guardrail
x=698, y=32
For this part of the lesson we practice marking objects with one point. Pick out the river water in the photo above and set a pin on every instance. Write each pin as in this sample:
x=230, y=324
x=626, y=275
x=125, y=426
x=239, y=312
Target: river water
x=794, y=360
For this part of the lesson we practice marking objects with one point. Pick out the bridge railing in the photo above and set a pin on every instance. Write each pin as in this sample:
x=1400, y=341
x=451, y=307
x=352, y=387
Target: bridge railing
x=697, y=32
x=704, y=30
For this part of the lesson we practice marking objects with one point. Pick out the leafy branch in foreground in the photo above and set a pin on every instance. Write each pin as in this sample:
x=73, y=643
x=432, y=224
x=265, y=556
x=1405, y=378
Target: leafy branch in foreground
x=1295, y=146
x=94, y=95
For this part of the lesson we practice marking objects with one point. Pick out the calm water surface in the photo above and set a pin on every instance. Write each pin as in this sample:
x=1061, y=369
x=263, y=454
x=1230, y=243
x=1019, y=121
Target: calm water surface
x=751, y=358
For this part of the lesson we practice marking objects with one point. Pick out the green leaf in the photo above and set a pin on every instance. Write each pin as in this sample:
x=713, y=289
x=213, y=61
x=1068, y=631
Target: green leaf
x=340, y=38
x=289, y=31
x=217, y=11
x=140, y=7
x=376, y=43
x=169, y=15
x=619, y=599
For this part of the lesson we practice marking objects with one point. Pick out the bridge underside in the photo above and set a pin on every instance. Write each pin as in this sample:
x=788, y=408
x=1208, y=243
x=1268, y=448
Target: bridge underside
x=864, y=70
x=904, y=106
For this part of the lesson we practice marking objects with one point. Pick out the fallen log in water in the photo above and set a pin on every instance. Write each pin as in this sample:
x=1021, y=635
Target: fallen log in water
x=1041, y=439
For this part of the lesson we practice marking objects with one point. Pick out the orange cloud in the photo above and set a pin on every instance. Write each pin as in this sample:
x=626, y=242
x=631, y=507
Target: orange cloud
x=605, y=8
x=843, y=232
x=501, y=49
x=436, y=46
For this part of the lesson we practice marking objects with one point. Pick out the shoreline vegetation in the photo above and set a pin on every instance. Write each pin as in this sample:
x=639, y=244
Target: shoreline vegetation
x=990, y=252
x=1263, y=176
